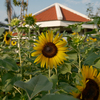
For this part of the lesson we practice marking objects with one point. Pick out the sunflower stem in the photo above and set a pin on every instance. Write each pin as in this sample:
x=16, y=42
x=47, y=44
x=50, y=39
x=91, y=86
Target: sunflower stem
x=29, y=40
x=19, y=51
x=79, y=70
x=20, y=55
x=56, y=73
x=56, y=70
x=49, y=72
x=29, y=48
x=49, y=76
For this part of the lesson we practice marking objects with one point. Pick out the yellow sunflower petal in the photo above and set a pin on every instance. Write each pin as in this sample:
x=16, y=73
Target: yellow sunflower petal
x=51, y=54
x=61, y=43
x=95, y=72
x=43, y=61
x=75, y=94
x=50, y=63
x=38, y=59
x=91, y=72
x=36, y=53
x=50, y=34
x=88, y=80
x=80, y=88
x=47, y=37
x=56, y=39
x=38, y=48
x=47, y=62
x=54, y=62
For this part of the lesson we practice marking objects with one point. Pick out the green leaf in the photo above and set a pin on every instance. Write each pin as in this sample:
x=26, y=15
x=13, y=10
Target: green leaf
x=5, y=77
x=65, y=68
x=66, y=87
x=58, y=97
x=8, y=64
x=37, y=99
x=92, y=32
x=35, y=85
x=97, y=64
x=54, y=80
x=91, y=58
x=5, y=98
x=76, y=29
x=1, y=31
x=31, y=41
x=8, y=81
x=72, y=55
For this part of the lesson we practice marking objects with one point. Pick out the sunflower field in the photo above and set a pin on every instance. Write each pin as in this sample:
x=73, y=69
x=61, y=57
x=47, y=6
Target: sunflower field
x=46, y=66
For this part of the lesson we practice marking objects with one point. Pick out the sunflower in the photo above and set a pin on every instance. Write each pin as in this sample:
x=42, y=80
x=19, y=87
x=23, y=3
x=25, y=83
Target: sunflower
x=13, y=43
x=75, y=33
x=92, y=39
x=50, y=51
x=15, y=22
x=29, y=19
x=7, y=37
x=90, y=84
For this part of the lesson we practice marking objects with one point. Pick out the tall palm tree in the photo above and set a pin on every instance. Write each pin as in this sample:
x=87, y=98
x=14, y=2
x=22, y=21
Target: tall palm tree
x=9, y=11
x=23, y=5
x=22, y=10
x=26, y=6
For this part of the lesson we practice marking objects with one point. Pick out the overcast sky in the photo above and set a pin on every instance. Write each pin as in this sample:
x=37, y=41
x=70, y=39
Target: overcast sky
x=37, y=5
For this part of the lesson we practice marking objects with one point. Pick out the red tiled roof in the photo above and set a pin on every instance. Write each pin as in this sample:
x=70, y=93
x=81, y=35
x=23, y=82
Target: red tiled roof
x=15, y=34
x=47, y=15
x=50, y=14
x=70, y=16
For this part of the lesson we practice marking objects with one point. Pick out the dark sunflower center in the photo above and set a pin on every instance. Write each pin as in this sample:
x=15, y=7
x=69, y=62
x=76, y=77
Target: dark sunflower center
x=7, y=38
x=49, y=50
x=91, y=92
x=13, y=42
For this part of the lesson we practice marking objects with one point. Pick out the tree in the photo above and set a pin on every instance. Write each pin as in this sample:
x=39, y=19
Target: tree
x=90, y=10
x=9, y=11
x=27, y=7
x=23, y=5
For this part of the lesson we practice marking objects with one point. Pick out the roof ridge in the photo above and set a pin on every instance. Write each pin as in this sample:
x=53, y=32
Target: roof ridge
x=76, y=12
x=58, y=12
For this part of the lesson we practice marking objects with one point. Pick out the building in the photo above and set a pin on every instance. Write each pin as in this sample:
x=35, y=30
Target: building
x=60, y=16
x=5, y=26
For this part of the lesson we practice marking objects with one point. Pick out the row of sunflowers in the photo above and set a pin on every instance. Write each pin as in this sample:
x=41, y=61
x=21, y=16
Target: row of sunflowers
x=47, y=66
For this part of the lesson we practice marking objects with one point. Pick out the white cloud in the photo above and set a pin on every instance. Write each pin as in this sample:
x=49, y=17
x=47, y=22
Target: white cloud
x=77, y=2
x=95, y=6
x=86, y=1
x=3, y=15
x=65, y=4
x=72, y=1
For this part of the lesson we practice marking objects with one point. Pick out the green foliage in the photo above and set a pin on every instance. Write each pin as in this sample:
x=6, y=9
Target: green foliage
x=22, y=79
x=65, y=68
x=92, y=32
x=66, y=87
x=58, y=97
x=76, y=27
x=15, y=22
x=54, y=80
x=91, y=58
x=8, y=81
x=1, y=31
x=35, y=85
x=18, y=3
x=8, y=63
